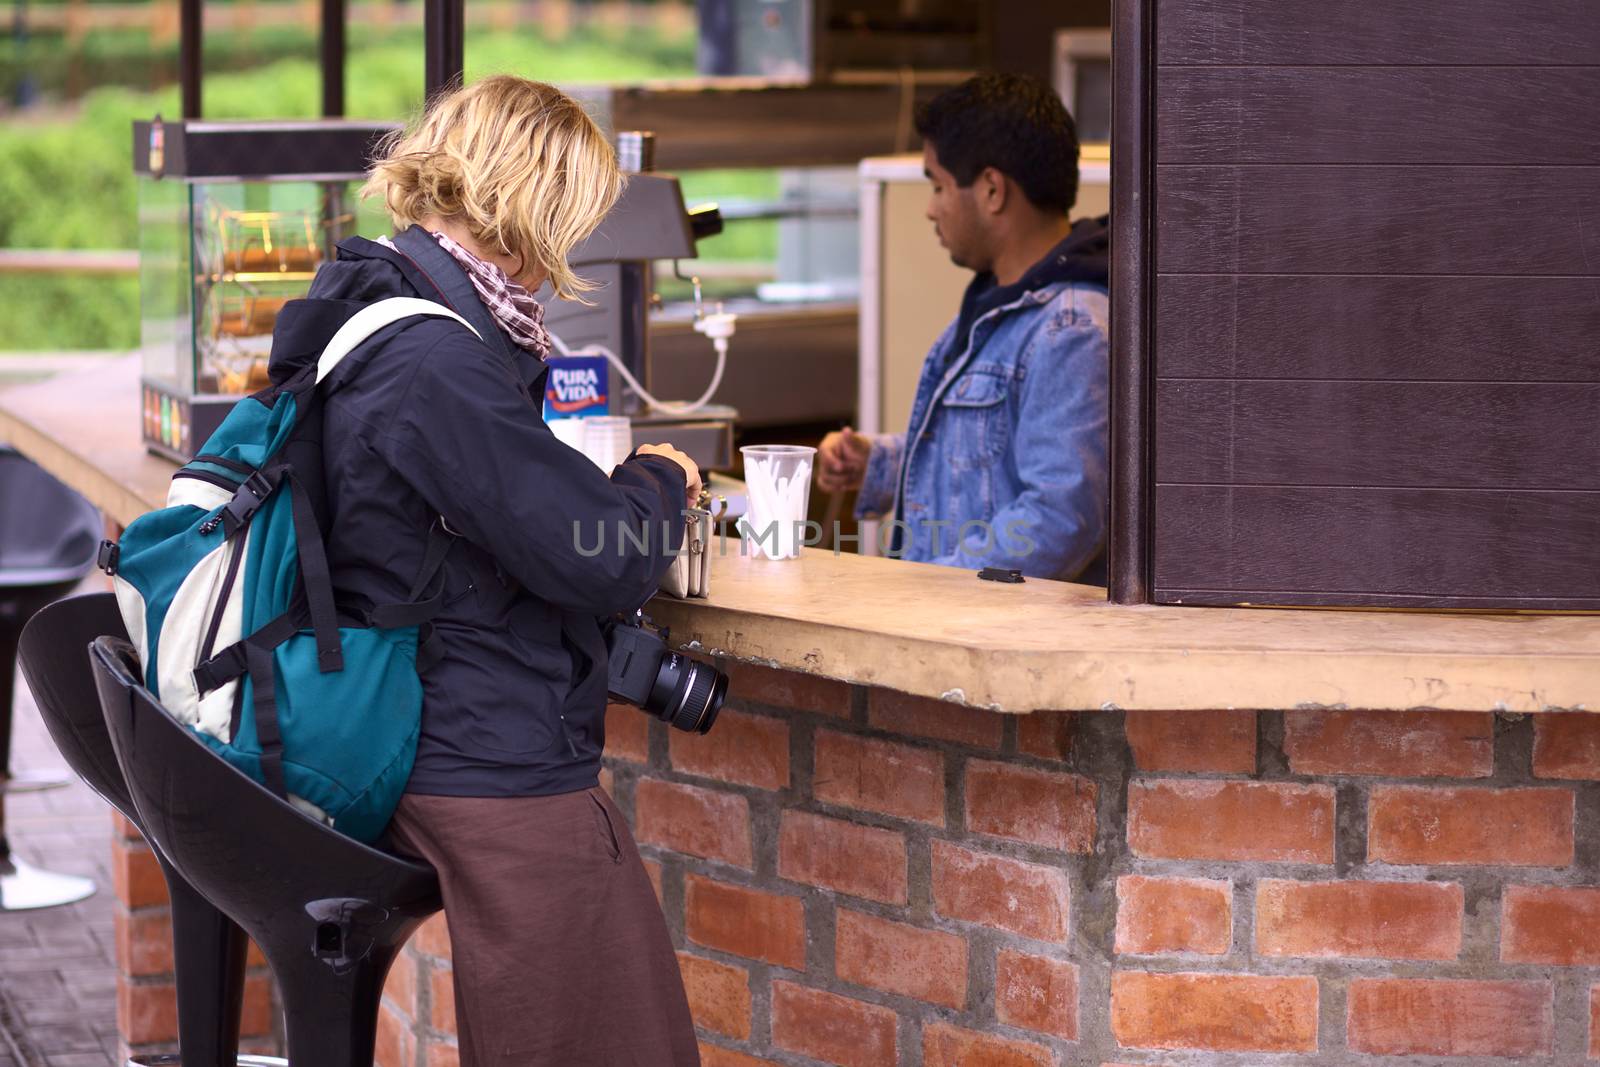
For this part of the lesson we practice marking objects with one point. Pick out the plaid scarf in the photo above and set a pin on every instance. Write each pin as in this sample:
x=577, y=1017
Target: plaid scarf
x=513, y=307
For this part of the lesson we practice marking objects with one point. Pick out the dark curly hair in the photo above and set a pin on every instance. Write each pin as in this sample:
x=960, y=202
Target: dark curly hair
x=1012, y=123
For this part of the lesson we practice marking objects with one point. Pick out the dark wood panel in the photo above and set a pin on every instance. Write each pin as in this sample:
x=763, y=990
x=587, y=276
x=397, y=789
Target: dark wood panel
x=1379, y=434
x=1489, y=329
x=1377, y=31
x=1226, y=598
x=1022, y=33
x=1132, y=261
x=1378, y=220
x=698, y=125
x=1422, y=544
x=1471, y=115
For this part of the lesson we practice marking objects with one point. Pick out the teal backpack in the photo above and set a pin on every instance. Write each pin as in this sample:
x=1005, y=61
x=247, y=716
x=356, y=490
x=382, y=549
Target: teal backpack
x=227, y=596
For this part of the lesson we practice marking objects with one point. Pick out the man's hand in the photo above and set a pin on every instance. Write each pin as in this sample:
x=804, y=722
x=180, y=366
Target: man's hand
x=842, y=460
x=690, y=471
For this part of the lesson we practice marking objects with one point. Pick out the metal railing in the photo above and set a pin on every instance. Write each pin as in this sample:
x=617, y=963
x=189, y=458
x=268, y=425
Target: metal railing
x=68, y=261
x=125, y=261
x=76, y=18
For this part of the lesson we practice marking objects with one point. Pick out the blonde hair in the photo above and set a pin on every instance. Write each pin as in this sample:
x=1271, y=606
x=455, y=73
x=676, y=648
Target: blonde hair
x=518, y=162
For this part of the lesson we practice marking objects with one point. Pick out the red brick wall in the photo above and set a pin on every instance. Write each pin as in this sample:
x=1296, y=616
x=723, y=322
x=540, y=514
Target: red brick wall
x=866, y=879
x=147, y=996
x=417, y=1024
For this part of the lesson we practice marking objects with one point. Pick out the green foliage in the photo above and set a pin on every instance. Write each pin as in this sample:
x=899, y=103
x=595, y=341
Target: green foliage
x=53, y=312
x=126, y=57
x=69, y=184
x=75, y=176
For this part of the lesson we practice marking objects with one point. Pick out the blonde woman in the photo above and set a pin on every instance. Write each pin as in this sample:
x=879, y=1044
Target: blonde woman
x=561, y=955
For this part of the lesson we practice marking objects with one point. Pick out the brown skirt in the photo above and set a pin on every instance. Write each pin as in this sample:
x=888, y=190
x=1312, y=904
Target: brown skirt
x=561, y=955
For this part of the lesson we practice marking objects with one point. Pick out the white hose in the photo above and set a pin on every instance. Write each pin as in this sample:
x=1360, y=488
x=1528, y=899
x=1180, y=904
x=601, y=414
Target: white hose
x=719, y=332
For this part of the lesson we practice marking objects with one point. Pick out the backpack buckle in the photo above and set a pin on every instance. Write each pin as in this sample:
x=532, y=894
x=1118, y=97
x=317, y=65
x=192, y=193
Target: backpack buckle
x=109, y=555
x=247, y=500
x=220, y=669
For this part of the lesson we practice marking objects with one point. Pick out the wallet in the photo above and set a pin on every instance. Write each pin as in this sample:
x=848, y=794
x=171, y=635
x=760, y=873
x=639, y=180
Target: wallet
x=690, y=573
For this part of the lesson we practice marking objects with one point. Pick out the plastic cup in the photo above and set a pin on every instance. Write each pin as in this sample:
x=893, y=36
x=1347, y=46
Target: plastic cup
x=778, y=480
x=607, y=440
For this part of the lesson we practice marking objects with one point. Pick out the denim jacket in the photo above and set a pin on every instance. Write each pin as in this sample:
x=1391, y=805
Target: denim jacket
x=1006, y=460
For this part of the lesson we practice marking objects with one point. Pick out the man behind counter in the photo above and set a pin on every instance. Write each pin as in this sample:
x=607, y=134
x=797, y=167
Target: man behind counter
x=1005, y=461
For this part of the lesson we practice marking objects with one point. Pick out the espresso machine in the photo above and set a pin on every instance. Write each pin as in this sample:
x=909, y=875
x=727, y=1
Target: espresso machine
x=649, y=224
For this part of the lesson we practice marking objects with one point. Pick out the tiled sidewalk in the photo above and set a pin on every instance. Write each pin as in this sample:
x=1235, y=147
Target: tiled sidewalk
x=57, y=969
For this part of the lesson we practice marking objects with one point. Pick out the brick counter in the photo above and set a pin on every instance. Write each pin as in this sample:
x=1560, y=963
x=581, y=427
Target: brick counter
x=991, y=878
x=857, y=877
x=147, y=993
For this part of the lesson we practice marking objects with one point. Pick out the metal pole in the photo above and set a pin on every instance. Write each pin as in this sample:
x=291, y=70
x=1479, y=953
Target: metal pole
x=444, y=45
x=333, y=55
x=27, y=90
x=189, y=56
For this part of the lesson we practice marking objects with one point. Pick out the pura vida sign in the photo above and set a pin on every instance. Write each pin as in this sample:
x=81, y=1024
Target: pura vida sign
x=577, y=386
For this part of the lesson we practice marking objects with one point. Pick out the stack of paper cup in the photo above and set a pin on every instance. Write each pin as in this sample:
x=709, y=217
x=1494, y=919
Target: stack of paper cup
x=778, y=480
x=607, y=439
x=569, y=432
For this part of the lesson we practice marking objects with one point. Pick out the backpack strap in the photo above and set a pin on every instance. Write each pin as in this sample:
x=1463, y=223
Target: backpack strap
x=234, y=661
x=315, y=576
x=374, y=317
x=316, y=603
x=316, y=579
x=426, y=597
x=425, y=600
x=264, y=688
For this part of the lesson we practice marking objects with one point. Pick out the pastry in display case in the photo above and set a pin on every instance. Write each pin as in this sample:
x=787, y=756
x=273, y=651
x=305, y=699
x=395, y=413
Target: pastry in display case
x=234, y=219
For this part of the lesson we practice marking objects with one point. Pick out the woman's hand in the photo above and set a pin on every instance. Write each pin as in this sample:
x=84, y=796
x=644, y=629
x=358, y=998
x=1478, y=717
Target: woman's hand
x=690, y=471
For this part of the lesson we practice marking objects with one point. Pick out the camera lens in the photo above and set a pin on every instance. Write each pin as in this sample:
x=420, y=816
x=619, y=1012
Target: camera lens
x=687, y=695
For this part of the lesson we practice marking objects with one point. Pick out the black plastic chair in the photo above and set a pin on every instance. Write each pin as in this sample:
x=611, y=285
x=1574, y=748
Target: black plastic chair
x=49, y=537
x=209, y=948
x=329, y=913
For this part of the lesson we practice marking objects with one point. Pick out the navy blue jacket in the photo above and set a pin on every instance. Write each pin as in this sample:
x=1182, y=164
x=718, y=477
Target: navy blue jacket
x=426, y=420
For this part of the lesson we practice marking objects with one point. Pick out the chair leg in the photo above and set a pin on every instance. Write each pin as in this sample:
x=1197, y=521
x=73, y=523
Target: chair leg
x=15, y=611
x=10, y=634
x=331, y=1013
x=209, y=951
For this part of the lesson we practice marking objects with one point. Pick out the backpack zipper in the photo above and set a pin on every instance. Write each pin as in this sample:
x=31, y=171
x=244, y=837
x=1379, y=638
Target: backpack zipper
x=211, y=524
x=206, y=476
x=223, y=461
x=222, y=598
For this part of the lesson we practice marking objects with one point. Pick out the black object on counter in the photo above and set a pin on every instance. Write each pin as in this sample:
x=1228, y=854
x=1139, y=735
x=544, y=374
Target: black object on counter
x=1001, y=574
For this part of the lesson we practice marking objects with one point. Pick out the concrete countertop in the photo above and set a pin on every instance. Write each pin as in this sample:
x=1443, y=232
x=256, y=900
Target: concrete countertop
x=939, y=632
x=83, y=427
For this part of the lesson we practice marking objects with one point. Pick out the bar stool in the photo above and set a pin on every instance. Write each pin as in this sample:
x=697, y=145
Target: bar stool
x=208, y=948
x=329, y=913
x=49, y=537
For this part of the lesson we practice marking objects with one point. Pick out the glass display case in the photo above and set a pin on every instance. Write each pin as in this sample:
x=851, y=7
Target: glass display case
x=234, y=219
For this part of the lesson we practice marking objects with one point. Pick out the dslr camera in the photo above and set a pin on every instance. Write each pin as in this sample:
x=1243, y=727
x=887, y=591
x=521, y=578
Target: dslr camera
x=644, y=672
